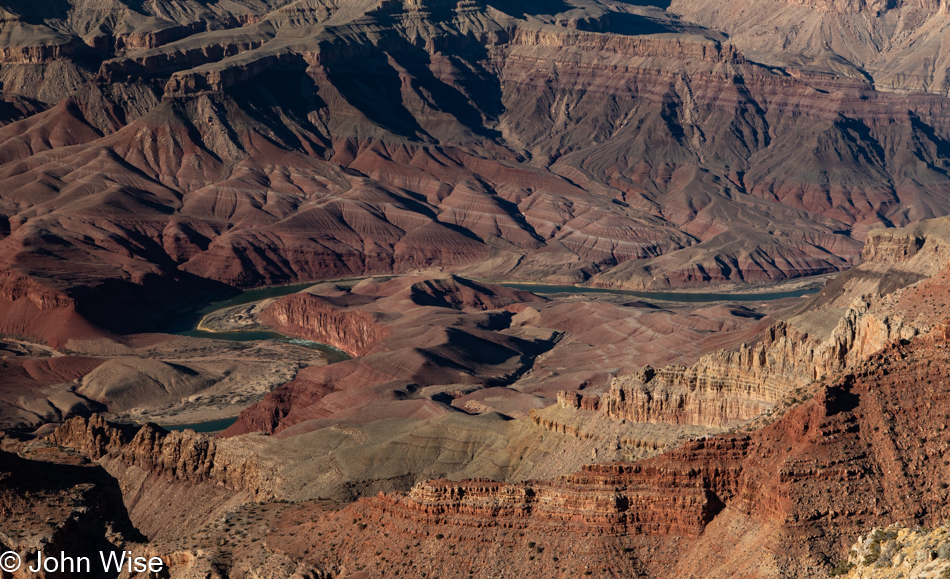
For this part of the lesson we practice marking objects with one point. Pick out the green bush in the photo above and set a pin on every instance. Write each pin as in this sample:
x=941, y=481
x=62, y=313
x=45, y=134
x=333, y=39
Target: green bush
x=842, y=568
x=874, y=549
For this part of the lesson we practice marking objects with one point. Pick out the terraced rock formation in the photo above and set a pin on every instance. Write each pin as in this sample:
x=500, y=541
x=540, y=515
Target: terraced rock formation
x=797, y=493
x=895, y=294
x=603, y=142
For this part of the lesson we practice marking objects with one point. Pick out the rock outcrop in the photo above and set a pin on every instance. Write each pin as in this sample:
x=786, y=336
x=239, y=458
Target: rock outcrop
x=861, y=450
x=723, y=389
x=730, y=387
x=312, y=318
x=897, y=551
x=186, y=456
x=52, y=502
x=37, y=54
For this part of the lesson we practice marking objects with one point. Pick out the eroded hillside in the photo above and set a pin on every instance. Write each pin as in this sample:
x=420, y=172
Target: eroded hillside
x=172, y=149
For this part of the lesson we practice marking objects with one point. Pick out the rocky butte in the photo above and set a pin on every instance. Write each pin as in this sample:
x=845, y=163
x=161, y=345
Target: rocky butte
x=169, y=171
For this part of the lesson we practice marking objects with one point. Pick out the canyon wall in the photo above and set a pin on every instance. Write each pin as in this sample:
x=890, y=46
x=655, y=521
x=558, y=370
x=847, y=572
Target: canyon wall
x=313, y=318
x=163, y=148
x=185, y=456
x=28, y=309
x=612, y=499
x=728, y=388
x=792, y=496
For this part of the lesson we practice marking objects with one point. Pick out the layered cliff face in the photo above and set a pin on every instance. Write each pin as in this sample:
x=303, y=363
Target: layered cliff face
x=610, y=143
x=307, y=316
x=186, y=456
x=611, y=499
x=798, y=493
x=894, y=45
x=894, y=295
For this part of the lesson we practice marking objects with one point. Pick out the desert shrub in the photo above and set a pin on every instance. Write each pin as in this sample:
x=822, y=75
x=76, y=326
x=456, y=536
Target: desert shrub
x=842, y=568
x=874, y=548
x=887, y=554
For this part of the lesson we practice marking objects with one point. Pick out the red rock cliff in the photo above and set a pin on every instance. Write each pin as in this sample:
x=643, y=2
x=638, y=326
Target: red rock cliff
x=861, y=451
x=313, y=318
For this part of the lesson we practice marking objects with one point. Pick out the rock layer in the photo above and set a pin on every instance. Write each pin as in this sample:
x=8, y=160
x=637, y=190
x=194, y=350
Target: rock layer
x=900, y=269
x=830, y=465
x=607, y=143
x=187, y=456
x=309, y=317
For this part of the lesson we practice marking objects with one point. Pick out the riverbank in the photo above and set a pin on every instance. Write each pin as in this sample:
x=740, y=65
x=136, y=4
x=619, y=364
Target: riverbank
x=238, y=321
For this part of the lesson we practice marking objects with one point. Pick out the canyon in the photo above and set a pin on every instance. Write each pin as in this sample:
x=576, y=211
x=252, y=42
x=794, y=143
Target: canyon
x=300, y=226
x=796, y=492
x=337, y=490
x=608, y=143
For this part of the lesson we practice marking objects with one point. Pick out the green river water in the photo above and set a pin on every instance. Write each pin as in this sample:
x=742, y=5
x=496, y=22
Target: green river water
x=187, y=324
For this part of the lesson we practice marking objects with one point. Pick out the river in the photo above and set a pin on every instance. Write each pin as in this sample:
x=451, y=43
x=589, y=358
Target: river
x=187, y=324
x=209, y=427
x=683, y=297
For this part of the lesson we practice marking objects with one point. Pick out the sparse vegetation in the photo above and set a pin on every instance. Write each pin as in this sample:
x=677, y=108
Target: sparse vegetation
x=874, y=549
x=842, y=568
x=943, y=551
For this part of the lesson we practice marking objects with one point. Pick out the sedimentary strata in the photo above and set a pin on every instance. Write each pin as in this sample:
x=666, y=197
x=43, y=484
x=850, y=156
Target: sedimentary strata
x=615, y=144
x=800, y=490
x=901, y=271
